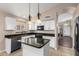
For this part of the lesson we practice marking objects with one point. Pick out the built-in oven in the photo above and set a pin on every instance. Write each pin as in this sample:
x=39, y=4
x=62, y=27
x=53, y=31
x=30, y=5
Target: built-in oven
x=40, y=27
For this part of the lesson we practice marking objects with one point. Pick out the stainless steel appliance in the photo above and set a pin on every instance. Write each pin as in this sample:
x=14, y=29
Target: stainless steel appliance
x=15, y=45
x=77, y=36
x=40, y=27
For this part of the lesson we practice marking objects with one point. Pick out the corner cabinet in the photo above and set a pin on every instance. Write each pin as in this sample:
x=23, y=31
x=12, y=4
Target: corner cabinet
x=10, y=23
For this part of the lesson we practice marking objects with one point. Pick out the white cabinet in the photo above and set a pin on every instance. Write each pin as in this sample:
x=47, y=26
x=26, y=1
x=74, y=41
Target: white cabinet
x=52, y=41
x=52, y=25
x=33, y=51
x=49, y=25
x=64, y=17
x=10, y=23
x=46, y=25
x=8, y=45
x=66, y=31
x=32, y=26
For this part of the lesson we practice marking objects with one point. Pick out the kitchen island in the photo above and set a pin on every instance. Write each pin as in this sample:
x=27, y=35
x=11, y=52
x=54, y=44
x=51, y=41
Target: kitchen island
x=11, y=39
x=33, y=46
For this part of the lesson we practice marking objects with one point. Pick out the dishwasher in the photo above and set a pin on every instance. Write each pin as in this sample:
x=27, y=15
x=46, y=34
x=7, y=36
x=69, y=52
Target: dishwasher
x=12, y=44
x=15, y=45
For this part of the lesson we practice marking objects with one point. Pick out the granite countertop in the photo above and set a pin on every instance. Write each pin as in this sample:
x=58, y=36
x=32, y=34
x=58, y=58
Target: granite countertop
x=29, y=33
x=35, y=42
x=33, y=31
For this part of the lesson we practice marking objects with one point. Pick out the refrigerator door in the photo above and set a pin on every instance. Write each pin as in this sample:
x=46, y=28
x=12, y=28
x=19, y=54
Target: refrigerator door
x=77, y=36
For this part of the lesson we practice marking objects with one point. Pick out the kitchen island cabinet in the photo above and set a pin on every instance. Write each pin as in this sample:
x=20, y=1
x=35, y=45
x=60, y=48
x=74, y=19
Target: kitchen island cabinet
x=33, y=46
x=53, y=42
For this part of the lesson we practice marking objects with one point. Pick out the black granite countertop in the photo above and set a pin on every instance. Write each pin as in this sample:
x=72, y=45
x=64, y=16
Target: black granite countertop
x=25, y=34
x=35, y=42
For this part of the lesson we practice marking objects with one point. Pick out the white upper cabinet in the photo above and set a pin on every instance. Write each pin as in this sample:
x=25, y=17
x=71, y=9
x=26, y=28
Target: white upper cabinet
x=32, y=26
x=10, y=23
x=64, y=17
x=49, y=25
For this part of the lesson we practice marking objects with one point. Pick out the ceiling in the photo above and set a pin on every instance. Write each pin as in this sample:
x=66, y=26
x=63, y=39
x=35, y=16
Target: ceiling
x=22, y=9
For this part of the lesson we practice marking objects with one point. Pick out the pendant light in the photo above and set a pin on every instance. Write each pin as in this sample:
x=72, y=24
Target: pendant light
x=29, y=15
x=38, y=15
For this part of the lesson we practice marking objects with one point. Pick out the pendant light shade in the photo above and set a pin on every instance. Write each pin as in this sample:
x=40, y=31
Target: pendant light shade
x=29, y=18
x=38, y=15
x=29, y=14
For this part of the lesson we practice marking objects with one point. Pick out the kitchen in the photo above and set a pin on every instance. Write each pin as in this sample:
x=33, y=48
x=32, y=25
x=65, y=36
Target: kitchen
x=39, y=30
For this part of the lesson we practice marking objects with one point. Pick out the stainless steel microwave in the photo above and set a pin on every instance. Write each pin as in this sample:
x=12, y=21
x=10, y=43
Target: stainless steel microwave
x=40, y=27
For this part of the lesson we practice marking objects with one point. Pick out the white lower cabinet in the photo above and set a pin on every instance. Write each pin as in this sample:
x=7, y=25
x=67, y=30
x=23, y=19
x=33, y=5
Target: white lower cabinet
x=8, y=45
x=52, y=41
x=33, y=51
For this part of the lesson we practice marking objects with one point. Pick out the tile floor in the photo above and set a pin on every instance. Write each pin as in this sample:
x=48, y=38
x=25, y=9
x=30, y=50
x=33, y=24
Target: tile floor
x=61, y=51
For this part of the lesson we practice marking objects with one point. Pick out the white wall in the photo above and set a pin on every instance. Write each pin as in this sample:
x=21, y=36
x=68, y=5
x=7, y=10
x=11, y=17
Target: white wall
x=2, y=24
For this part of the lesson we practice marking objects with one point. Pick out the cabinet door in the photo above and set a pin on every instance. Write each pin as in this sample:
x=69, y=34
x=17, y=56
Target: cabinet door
x=52, y=25
x=49, y=25
x=52, y=41
x=32, y=26
x=10, y=23
x=46, y=25
x=66, y=30
x=8, y=45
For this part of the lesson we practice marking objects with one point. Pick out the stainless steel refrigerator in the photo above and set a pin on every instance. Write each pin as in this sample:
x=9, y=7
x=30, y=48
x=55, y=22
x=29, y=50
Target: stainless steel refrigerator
x=77, y=37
